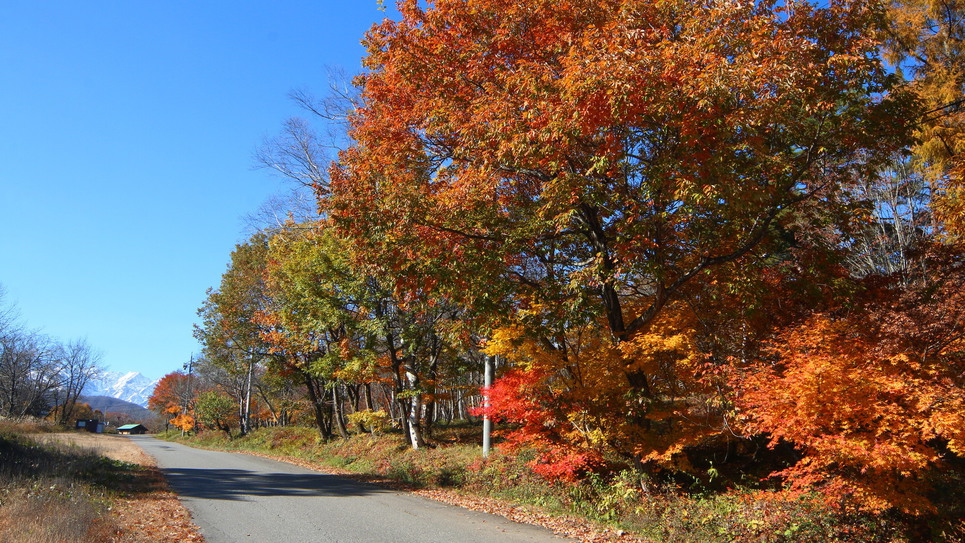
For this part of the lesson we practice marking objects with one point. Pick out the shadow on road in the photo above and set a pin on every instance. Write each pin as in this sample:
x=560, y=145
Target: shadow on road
x=233, y=484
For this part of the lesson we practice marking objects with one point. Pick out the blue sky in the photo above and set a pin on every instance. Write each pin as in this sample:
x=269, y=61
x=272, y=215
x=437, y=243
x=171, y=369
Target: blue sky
x=127, y=131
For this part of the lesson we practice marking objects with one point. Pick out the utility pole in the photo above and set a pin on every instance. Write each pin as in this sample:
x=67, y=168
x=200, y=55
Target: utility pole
x=487, y=422
x=190, y=383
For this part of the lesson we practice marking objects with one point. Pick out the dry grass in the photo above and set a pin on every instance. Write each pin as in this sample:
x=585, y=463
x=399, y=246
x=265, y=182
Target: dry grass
x=46, y=517
x=51, y=493
x=83, y=488
x=114, y=447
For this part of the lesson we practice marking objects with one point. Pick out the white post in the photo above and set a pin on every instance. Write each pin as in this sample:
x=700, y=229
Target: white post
x=487, y=423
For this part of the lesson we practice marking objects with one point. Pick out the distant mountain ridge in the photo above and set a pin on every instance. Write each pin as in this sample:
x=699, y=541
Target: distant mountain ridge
x=131, y=387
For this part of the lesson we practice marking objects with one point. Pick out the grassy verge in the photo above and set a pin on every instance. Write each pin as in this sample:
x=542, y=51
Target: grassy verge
x=659, y=511
x=56, y=493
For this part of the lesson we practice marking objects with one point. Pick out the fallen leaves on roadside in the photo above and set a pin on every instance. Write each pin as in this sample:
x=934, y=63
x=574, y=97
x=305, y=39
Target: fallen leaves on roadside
x=155, y=518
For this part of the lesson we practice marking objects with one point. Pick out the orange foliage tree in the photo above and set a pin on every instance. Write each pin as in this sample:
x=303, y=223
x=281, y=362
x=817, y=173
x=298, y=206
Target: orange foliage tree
x=872, y=395
x=600, y=170
x=184, y=422
x=174, y=394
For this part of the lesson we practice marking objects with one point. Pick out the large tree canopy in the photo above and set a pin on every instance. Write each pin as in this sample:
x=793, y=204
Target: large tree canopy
x=604, y=152
x=623, y=187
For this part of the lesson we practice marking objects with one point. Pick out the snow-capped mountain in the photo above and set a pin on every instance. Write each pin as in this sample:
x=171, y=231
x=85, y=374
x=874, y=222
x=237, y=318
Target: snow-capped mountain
x=130, y=387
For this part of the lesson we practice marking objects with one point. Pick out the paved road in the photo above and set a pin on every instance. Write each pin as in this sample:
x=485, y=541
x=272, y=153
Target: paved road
x=238, y=497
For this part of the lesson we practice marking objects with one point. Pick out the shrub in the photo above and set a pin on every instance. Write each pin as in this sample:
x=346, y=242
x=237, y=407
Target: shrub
x=376, y=422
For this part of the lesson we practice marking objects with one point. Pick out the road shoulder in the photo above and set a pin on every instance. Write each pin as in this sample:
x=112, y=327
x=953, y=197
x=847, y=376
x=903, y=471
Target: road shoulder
x=152, y=516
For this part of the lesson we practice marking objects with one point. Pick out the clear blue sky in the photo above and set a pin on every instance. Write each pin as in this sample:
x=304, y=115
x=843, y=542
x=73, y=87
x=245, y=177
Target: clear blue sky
x=127, y=130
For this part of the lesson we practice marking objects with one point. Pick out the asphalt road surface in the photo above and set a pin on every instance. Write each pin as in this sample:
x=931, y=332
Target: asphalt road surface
x=237, y=497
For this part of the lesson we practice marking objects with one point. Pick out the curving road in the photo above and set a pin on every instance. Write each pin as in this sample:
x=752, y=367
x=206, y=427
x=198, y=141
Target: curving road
x=238, y=497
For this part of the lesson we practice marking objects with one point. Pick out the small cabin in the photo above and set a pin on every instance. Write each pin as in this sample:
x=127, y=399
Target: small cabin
x=90, y=425
x=129, y=429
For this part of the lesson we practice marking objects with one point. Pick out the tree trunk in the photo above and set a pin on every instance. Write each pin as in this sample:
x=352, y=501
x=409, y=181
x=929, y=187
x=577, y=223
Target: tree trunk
x=367, y=387
x=275, y=415
x=433, y=374
x=316, y=400
x=354, y=397
x=399, y=392
x=244, y=409
x=415, y=405
x=338, y=415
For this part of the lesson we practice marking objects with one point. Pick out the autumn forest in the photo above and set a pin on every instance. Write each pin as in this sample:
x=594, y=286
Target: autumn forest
x=718, y=241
